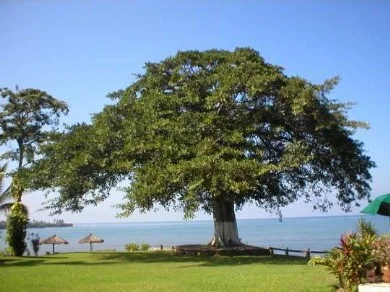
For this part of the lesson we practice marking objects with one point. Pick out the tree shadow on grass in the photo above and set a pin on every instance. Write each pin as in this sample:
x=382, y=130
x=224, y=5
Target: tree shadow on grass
x=113, y=258
x=167, y=257
x=26, y=261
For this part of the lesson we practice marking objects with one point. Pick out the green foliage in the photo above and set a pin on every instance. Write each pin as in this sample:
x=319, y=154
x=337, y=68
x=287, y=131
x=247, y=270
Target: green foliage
x=25, y=120
x=381, y=250
x=144, y=246
x=317, y=260
x=5, y=195
x=132, y=246
x=355, y=254
x=16, y=228
x=24, y=117
x=366, y=229
x=7, y=252
x=205, y=126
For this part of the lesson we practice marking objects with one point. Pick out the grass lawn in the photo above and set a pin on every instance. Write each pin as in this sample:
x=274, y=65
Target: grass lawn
x=160, y=271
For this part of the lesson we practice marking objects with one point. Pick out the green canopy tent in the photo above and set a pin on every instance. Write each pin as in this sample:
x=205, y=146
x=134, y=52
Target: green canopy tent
x=381, y=206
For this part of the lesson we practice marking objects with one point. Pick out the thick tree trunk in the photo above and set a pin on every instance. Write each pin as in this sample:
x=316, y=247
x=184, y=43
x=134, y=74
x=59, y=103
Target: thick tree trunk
x=225, y=225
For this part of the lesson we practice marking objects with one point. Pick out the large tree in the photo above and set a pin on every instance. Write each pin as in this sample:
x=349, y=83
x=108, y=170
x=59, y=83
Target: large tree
x=211, y=130
x=27, y=119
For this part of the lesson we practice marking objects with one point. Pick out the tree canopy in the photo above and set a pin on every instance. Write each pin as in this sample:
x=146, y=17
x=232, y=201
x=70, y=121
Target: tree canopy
x=200, y=127
x=24, y=120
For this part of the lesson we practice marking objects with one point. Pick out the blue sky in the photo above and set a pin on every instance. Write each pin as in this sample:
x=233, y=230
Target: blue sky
x=79, y=51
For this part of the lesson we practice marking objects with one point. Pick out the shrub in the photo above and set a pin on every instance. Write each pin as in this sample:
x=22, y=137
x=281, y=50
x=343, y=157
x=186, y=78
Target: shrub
x=355, y=254
x=7, y=252
x=381, y=250
x=317, y=260
x=16, y=229
x=145, y=246
x=132, y=246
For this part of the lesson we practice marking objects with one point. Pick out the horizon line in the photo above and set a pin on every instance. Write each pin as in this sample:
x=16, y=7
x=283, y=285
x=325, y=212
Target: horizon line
x=238, y=219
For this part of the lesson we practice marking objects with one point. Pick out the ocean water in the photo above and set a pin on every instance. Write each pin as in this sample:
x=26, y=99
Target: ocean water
x=316, y=233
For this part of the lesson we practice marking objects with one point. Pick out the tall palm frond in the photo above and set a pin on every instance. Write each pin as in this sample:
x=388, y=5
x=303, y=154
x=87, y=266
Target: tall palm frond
x=2, y=175
x=5, y=207
x=6, y=194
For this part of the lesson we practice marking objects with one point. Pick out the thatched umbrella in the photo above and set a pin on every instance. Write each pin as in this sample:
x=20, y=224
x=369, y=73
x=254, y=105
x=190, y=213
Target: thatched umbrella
x=54, y=240
x=91, y=239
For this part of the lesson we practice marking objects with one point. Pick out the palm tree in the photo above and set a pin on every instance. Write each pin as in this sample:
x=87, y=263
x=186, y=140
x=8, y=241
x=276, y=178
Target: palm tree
x=11, y=192
x=17, y=213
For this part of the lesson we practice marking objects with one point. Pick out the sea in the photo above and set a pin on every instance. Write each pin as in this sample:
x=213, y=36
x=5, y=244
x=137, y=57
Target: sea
x=316, y=233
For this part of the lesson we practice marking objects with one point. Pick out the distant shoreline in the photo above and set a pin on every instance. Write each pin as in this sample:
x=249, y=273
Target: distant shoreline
x=40, y=224
x=211, y=220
